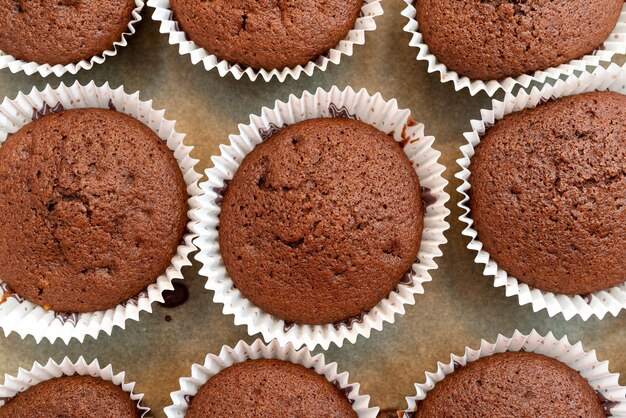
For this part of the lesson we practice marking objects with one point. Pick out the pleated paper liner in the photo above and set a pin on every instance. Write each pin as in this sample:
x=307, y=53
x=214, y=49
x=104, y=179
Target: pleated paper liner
x=614, y=44
x=605, y=383
x=169, y=26
x=200, y=374
x=30, y=67
x=599, y=303
x=26, y=318
x=374, y=110
x=40, y=373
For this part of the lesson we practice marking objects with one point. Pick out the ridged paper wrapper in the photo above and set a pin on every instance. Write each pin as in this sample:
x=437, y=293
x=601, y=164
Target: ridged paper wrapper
x=373, y=110
x=26, y=318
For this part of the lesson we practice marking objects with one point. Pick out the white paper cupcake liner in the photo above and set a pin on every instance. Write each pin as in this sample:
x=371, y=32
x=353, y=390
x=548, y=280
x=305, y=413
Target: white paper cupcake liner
x=605, y=383
x=169, y=25
x=26, y=318
x=374, y=110
x=600, y=303
x=31, y=67
x=200, y=374
x=615, y=44
x=51, y=370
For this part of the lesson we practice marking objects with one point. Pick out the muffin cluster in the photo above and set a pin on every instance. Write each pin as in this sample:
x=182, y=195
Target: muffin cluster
x=323, y=217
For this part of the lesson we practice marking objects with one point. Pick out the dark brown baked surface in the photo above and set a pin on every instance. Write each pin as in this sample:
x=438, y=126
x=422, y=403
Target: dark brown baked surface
x=321, y=221
x=512, y=384
x=71, y=397
x=267, y=34
x=548, y=193
x=61, y=31
x=495, y=39
x=92, y=208
x=266, y=389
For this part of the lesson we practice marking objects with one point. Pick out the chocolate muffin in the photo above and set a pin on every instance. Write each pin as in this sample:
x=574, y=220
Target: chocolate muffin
x=269, y=388
x=267, y=34
x=547, y=193
x=321, y=221
x=495, y=39
x=512, y=384
x=93, y=206
x=61, y=31
x=71, y=397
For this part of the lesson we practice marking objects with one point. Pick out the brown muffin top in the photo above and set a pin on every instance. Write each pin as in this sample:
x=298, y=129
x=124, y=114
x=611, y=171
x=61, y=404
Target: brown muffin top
x=267, y=34
x=92, y=208
x=267, y=389
x=321, y=221
x=547, y=193
x=512, y=384
x=495, y=39
x=61, y=31
x=71, y=397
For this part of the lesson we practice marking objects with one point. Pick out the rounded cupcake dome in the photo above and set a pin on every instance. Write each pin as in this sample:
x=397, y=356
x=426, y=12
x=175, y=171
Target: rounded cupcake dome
x=93, y=207
x=269, y=388
x=268, y=380
x=72, y=397
x=267, y=34
x=547, y=193
x=492, y=40
x=62, y=31
x=321, y=221
x=349, y=212
x=512, y=384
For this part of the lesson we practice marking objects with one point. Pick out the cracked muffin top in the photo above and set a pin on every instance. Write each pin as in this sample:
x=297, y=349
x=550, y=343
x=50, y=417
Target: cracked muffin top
x=268, y=388
x=495, y=39
x=71, y=397
x=267, y=34
x=321, y=221
x=92, y=208
x=512, y=384
x=548, y=193
x=61, y=31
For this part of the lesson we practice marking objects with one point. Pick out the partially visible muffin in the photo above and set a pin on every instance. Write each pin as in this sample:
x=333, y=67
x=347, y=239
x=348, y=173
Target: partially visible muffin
x=71, y=397
x=93, y=206
x=512, y=384
x=269, y=388
x=61, y=31
x=266, y=34
x=548, y=193
x=321, y=221
x=495, y=39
